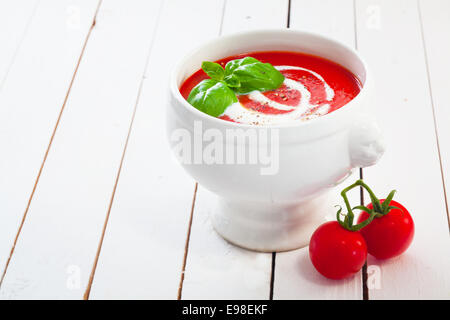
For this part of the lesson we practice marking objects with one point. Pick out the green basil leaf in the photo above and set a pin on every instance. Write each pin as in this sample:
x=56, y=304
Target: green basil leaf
x=213, y=70
x=253, y=75
x=232, y=81
x=212, y=97
x=232, y=65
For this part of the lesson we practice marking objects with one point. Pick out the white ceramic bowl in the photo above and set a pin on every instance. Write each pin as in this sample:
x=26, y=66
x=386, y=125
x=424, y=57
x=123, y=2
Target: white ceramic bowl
x=277, y=211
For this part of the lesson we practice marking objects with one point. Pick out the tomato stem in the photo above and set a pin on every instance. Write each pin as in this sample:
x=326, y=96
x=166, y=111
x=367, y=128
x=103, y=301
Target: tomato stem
x=378, y=210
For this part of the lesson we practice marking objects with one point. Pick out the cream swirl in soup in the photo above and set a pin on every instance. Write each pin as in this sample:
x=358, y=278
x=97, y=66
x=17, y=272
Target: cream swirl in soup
x=312, y=87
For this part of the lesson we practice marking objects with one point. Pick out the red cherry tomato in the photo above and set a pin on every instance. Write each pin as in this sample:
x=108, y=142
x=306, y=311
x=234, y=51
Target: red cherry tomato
x=335, y=252
x=389, y=235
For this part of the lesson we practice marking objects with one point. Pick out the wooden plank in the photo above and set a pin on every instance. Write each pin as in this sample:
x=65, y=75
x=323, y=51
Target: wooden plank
x=436, y=24
x=254, y=14
x=37, y=71
x=60, y=236
x=389, y=36
x=15, y=19
x=330, y=18
x=216, y=269
x=295, y=276
x=150, y=213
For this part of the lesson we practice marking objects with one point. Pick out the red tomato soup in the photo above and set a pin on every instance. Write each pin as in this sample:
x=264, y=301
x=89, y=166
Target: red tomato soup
x=313, y=86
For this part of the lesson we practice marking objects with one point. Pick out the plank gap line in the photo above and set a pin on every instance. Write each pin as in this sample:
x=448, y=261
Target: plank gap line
x=94, y=267
x=50, y=144
x=116, y=182
x=272, y=275
x=188, y=235
x=19, y=45
x=364, y=273
x=186, y=247
x=223, y=16
x=288, y=24
x=355, y=28
x=274, y=254
x=433, y=109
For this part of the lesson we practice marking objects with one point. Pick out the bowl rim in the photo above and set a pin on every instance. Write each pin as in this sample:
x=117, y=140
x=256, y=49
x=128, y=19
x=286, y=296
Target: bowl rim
x=174, y=89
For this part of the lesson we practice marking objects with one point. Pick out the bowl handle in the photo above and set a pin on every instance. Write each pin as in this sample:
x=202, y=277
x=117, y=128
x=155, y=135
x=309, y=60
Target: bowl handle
x=366, y=142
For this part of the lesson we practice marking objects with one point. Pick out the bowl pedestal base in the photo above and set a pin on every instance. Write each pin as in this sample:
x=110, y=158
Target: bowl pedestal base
x=268, y=227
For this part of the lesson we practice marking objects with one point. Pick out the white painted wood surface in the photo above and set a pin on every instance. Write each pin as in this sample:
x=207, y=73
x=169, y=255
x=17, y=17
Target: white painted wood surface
x=123, y=66
x=394, y=49
x=37, y=67
x=295, y=276
x=254, y=14
x=435, y=16
x=84, y=158
x=214, y=267
x=15, y=18
x=149, y=218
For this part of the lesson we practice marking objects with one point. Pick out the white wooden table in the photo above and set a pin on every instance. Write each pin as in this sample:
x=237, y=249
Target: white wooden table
x=92, y=204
